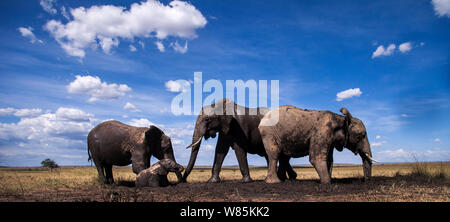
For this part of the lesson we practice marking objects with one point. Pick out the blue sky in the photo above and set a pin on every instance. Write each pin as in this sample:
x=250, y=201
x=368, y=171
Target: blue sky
x=66, y=66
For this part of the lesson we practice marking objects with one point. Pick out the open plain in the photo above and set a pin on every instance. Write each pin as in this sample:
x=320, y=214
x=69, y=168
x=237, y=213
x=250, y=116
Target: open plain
x=390, y=182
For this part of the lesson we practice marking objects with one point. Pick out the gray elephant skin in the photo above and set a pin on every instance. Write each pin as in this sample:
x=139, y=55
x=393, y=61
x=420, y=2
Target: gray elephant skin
x=237, y=127
x=114, y=143
x=156, y=175
x=301, y=132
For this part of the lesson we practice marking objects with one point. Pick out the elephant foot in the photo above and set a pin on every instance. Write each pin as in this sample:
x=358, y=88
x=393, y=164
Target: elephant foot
x=246, y=179
x=214, y=179
x=292, y=176
x=281, y=175
x=272, y=180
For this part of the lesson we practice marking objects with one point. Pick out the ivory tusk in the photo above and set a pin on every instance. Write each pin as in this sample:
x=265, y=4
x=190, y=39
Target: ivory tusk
x=194, y=144
x=372, y=159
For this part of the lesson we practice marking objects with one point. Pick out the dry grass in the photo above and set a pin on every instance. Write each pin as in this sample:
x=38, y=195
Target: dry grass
x=391, y=182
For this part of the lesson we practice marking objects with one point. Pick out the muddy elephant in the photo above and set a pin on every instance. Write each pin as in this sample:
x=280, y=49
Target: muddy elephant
x=156, y=175
x=237, y=127
x=301, y=132
x=114, y=143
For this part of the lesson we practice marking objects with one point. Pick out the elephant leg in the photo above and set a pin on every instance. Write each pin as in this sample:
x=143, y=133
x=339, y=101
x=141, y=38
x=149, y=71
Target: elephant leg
x=330, y=161
x=241, y=156
x=273, y=153
x=109, y=175
x=286, y=168
x=281, y=172
x=101, y=171
x=222, y=148
x=290, y=171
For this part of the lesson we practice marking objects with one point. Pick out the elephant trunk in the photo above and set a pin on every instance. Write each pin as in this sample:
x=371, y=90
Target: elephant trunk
x=196, y=141
x=366, y=156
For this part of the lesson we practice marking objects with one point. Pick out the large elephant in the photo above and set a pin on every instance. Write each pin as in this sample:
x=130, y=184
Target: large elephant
x=302, y=132
x=237, y=127
x=114, y=143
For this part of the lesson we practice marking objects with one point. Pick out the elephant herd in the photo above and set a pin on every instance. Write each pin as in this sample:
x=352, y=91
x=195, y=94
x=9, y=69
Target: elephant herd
x=296, y=133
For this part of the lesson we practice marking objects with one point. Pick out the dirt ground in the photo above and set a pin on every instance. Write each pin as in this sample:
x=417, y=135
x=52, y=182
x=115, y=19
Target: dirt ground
x=78, y=184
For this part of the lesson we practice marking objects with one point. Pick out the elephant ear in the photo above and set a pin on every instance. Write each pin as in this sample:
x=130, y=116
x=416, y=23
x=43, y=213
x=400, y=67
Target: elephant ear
x=348, y=116
x=348, y=121
x=153, y=135
x=226, y=123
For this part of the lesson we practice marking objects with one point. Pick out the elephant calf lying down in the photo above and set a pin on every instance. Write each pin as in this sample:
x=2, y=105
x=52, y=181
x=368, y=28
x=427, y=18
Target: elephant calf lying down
x=156, y=175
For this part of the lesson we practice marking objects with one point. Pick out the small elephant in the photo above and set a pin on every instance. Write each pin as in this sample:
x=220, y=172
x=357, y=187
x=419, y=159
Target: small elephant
x=301, y=132
x=114, y=143
x=156, y=175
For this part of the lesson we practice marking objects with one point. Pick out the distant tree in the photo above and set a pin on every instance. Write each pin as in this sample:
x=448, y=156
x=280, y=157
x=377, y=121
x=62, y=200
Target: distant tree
x=49, y=163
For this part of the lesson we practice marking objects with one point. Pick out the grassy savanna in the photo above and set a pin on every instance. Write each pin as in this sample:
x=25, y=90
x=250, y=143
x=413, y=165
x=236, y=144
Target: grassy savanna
x=390, y=182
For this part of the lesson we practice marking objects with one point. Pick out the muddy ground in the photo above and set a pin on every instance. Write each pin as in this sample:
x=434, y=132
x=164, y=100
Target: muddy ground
x=380, y=188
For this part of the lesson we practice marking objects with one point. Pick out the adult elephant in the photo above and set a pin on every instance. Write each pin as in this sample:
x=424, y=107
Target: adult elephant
x=114, y=143
x=237, y=127
x=302, y=132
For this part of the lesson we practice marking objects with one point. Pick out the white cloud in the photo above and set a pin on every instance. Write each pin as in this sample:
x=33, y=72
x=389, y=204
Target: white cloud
x=404, y=115
x=349, y=93
x=104, y=24
x=402, y=155
x=131, y=107
x=142, y=122
x=7, y=111
x=405, y=47
x=175, y=86
x=178, y=48
x=64, y=13
x=132, y=48
x=437, y=140
x=378, y=144
x=441, y=7
x=160, y=46
x=93, y=86
x=378, y=137
x=47, y=5
x=381, y=51
x=64, y=123
x=20, y=112
x=28, y=33
x=28, y=112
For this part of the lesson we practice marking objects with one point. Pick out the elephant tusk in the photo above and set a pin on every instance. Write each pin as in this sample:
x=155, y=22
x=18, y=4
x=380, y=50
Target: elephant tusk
x=194, y=144
x=372, y=159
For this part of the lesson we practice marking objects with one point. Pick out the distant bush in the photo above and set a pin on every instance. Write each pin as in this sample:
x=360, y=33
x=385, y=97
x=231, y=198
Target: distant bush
x=49, y=163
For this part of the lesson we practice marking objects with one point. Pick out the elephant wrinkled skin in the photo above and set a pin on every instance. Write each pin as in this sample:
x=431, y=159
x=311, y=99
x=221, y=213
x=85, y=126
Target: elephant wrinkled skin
x=237, y=127
x=315, y=133
x=114, y=143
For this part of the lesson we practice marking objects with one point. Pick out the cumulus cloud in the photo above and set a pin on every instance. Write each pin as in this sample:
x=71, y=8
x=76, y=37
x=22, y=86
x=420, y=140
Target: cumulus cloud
x=160, y=46
x=437, y=140
x=28, y=33
x=64, y=123
x=20, y=112
x=349, y=93
x=131, y=108
x=93, y=86
x=402, y=155
x=176, y=86
x=132, y=48
x=381, y=51
x=47, y=5
x=178, y=48
x=405, y=47
x=142, y=122
x=104, y=25
x=441, y=7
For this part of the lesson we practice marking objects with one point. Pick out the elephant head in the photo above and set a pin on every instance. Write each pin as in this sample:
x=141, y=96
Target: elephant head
x=356, y=140
x=211, y=120
x=155, y=143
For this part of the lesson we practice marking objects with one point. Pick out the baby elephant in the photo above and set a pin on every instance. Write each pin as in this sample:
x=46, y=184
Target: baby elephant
x=156, y=175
